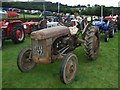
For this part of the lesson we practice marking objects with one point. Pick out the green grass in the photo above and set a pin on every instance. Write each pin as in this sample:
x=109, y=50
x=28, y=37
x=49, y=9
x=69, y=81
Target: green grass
x=0, y=69
x=28, y=16
x=102, y=73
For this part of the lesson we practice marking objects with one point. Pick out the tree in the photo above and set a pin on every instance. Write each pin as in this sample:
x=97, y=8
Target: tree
x=88, y=5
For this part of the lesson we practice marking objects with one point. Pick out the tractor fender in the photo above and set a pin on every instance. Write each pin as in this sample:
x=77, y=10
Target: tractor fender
x=85, y=30
x=15, y=21
x=29, y=23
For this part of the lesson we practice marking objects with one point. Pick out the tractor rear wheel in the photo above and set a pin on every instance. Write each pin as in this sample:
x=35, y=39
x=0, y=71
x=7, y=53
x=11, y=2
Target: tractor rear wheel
x=92, y=42
x=17, y=34
x=68, y=68
x=24, y=60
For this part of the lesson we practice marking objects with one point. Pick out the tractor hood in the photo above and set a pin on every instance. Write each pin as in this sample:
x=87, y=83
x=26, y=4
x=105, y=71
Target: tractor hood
x=29, y=23
x=52, y=32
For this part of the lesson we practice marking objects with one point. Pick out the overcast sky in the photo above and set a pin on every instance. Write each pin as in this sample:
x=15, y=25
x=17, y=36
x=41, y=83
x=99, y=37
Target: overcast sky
x=76, y=2
x=91, y=2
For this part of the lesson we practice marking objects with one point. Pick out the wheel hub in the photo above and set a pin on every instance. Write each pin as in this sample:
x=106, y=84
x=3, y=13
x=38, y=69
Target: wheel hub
x=18, y=34
x=70, y=70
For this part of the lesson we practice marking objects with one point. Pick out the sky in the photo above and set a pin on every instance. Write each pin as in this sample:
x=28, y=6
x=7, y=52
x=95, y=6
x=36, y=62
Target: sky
x=81, y=2
x=91, y=2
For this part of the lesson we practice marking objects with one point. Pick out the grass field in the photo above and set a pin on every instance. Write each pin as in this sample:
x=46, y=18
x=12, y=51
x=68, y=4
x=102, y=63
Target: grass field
x=28, y=16
x=102, y=73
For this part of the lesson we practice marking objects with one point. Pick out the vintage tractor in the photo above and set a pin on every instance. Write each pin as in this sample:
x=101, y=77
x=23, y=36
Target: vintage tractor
x=31, y=26
x=51, y=44
x=105, y=26
x=12, y=30
x=114, y=21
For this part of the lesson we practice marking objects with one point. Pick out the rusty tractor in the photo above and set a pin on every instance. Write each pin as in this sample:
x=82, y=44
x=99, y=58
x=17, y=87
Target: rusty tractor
x=50, y=44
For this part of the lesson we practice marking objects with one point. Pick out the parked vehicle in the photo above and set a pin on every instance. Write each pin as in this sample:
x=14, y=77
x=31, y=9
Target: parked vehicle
x=114, y=19
x=105, y=26
x=51, y=44
x=12, y=14
x=52, y=24
x=12, y=30
x=31, y=26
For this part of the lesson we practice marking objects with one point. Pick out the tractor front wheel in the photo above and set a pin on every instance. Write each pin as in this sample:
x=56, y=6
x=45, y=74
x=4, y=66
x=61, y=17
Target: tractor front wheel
x=68, y=68
x=24, y=60
x=17, y=34
x=92, y=41
x=106, y=36
x=111, y=32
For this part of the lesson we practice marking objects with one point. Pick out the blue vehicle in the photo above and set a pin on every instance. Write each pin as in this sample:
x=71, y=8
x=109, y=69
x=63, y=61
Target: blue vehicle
x=106, y=27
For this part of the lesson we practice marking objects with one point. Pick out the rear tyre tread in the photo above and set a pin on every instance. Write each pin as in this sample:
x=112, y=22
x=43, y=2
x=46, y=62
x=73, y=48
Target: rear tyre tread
x=88, y=43
x=13, y=34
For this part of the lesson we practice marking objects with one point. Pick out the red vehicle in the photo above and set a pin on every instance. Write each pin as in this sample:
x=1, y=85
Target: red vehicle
x=114, y=19
x=33, y=26
x=12, y=30
x=12, y=14
x=29, y=27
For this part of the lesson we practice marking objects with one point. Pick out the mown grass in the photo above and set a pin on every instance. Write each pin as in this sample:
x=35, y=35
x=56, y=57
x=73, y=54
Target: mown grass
x=28, y=16
x=101, y=73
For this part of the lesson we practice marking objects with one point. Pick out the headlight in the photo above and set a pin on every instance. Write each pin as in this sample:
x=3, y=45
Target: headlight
x=25, y=26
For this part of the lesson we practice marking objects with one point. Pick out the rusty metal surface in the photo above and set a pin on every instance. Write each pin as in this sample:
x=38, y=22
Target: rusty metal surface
x=42, y=41
x=85, y=30
x=50, y=32
x=41, y=52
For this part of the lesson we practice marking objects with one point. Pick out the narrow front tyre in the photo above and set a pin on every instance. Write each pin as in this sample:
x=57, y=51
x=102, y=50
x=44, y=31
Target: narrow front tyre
x=68, y=68
x=24, y=60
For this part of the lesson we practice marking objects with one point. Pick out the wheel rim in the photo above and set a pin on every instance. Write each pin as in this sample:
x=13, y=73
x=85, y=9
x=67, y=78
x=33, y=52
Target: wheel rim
x=19, y=34
x=70, y=70
x=113, y=31
x=107, y=37
x=26, y=61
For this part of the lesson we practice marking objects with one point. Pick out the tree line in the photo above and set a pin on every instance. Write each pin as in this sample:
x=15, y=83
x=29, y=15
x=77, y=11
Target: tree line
x=49, y=6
